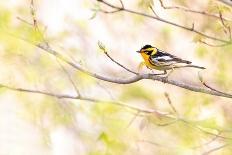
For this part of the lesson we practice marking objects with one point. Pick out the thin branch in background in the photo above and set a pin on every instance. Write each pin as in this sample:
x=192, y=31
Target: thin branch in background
x=155, y=144
x=164, y=21
x=170, y=102
x=35, y=22
x=121, y=3
x=39, y=92
x=215, y=149
x=35, y=25
x=69, y=77
x=32, y=8
x=108, y=12
x=24, y=21
x=90, y=99
x=213, y=45
x=204, y=13
x=226, y=26
x=206, y=85
x=137, y=109
x=133, y=119
x=207, y=143
x=197, y=127
x=193, y=26
x=105, y=89
x=152, y=9
x=167, y=123
x=102, y=47
x=229, y=29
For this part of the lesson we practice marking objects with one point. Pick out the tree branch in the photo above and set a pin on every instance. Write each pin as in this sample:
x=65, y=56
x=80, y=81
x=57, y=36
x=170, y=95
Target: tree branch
x=103, y=48
x=192, y=11
x=191, y=29
x=45, y=47
x=216, y=149
x=137, y=77
x=134, y=78
x=78, y=97
x=137, y=109
x=69, y=77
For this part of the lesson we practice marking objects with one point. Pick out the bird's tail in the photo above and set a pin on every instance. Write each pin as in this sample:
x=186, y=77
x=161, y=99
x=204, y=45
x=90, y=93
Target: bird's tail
x=194, y=66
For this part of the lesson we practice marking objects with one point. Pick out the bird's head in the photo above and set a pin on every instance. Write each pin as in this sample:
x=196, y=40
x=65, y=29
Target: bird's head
x=147, y=50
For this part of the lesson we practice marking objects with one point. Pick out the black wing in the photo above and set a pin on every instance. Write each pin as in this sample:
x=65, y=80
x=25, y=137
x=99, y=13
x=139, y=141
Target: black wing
x=163, y=57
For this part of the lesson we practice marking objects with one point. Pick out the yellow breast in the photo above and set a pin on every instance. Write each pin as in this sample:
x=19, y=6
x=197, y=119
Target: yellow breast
x=148, y=64
x=146, y=60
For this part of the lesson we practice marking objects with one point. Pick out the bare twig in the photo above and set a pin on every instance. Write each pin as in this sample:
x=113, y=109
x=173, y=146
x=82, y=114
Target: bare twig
x=213, y=45
x=226, y=26
x=206, y=85
x=24, y=21
x=168, y=123
x=35, y=22
x=192, y=11
x=170, y=102
x=121, y=3
x=102, y=47
x=33, y=14
x=152, y=143
x=188, y=123
x=105, y=89
x=156, y=144
x=69, y=77
x=164, y=21
x=90, y=99
x=216, y=149
x=39, y=92
x=133, y=118
x=207, y=143
x=35, y=25
x=109, y=12
x=152, y=9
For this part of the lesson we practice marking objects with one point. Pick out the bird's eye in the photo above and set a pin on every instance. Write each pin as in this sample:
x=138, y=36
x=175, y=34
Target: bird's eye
x=147, y=52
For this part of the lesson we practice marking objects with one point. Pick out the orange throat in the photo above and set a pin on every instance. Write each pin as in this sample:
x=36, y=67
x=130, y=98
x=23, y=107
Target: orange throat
x=146, y=58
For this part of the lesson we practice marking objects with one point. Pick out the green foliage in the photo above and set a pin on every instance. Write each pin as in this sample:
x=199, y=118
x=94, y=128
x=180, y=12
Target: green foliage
x=105, y=109
x=113, y=144
x=201, y=51
x=5, y=19
x=95, y=10
x=137, y=92
x=210, y=123
x=85, y=79
x=145, y=4
x=47, y=110
x=218, y=7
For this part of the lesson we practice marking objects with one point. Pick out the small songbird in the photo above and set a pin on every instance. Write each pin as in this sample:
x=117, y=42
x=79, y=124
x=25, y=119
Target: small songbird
x=157, y=59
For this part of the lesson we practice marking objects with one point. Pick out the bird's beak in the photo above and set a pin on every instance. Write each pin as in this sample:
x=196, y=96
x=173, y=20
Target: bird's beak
x=138, y=51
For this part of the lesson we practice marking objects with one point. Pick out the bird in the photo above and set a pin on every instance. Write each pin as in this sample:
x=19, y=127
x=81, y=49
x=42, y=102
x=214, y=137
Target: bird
x=157, y=59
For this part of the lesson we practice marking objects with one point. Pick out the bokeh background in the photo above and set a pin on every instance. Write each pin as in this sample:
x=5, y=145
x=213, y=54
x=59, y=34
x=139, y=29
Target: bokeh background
x=36, y=124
